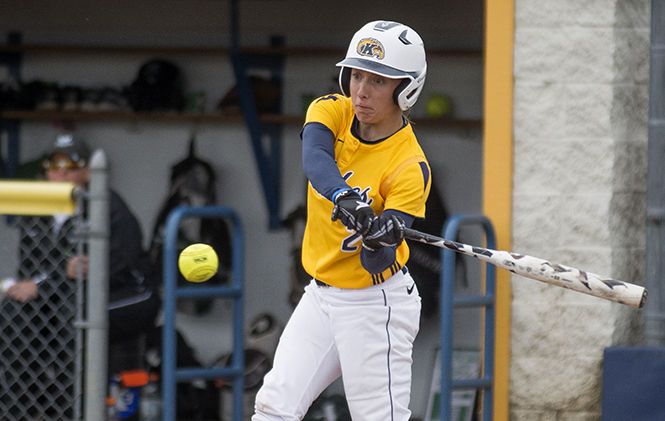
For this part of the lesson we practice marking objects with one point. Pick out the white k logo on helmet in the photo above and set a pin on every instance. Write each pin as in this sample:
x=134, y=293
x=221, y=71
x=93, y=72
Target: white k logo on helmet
x=389, y=49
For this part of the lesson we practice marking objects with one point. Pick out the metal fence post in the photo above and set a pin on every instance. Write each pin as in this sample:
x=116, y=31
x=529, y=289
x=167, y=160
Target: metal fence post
x=97, y=291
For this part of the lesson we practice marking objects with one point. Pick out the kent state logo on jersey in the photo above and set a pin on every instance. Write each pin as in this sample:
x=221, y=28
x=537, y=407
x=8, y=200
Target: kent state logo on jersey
x=370, y=47
x=364, y=193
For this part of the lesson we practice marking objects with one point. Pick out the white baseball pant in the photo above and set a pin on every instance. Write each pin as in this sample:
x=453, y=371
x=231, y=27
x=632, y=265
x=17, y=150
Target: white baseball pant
x=365, y=335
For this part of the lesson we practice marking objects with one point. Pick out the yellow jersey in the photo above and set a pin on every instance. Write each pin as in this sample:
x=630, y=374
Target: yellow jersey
x=391, y=173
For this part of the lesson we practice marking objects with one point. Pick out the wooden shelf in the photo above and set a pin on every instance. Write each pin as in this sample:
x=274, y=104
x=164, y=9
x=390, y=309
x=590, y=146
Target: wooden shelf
x=198, y=50
x=197, y=118
x=169, y=50
x=448, y=122
x=165, y=116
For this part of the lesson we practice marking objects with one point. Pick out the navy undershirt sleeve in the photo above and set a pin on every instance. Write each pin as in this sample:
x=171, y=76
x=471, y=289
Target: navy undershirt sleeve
x=381, y=259
x=318, y=160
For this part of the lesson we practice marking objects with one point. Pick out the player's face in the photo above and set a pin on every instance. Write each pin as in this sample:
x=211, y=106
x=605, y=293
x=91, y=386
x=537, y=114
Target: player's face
x=372, y=97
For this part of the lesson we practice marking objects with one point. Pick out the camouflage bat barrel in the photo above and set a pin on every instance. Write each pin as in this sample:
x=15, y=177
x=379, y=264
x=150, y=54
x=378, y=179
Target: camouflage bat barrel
x=544, y=270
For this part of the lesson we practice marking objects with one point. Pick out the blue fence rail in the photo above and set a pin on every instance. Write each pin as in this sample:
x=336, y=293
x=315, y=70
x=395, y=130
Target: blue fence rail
x=171, y=374
x=449, y=302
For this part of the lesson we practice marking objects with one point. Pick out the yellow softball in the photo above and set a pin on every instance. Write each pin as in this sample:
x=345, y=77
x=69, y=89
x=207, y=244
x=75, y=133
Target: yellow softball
x=198, y=262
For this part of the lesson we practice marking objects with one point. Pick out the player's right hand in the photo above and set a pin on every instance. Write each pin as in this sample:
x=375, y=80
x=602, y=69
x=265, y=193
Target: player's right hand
x=352, y=211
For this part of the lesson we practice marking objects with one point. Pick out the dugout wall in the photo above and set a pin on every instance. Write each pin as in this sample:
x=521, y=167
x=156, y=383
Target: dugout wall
x=141, y=151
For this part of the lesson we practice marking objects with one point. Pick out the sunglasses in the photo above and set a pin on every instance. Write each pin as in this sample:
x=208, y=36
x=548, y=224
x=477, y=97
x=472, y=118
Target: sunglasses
x=62, y=163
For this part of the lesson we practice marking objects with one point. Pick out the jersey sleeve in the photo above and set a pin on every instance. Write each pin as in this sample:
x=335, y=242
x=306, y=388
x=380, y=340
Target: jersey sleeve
x=406, y=190
x=327, y=110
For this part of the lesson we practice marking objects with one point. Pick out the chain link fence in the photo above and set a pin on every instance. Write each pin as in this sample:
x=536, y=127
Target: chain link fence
x=40, y=347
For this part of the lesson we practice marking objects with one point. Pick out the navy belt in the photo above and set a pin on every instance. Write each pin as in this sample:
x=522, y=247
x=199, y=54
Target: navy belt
x=323, y=284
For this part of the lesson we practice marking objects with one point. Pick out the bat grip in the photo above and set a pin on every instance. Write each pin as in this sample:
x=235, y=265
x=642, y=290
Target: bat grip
x=411, y=234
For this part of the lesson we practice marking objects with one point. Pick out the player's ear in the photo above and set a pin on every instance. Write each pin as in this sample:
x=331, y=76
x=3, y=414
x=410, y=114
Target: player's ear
x=345, y=81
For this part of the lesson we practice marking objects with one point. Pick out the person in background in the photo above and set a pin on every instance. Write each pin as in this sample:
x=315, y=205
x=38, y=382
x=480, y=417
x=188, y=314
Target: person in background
x=38, y=310
x=368, y=179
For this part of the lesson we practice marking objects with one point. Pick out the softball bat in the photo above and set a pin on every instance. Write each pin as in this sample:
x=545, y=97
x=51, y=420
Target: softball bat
x=544, y=270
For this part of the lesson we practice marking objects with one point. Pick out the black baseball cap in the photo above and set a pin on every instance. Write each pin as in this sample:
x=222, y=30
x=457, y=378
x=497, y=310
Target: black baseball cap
x=74, y=148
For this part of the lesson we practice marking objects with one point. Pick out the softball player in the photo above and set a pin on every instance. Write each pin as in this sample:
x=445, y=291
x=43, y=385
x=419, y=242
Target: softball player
x=368, y=178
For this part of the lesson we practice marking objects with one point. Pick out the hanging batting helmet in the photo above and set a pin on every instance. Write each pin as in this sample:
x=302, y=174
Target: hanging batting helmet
x=389, y=49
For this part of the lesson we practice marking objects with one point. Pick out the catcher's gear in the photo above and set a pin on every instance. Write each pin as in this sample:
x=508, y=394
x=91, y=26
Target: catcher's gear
x=352, y=211
x=389, y=49
x=385, y=231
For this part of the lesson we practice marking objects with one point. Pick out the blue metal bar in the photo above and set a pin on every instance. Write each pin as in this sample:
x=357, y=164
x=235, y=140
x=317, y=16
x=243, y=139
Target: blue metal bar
x=207, y=373
x=13, y=63
x=171, y=374
x=205, y=291
x=13, y=59
x=13, y=147
x=447, y=306
x=449, y=302
x=235, y=26
x=473, y=301
x=483, y=383
x=268, y=160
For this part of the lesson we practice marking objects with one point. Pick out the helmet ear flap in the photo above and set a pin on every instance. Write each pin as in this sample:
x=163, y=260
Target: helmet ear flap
x=402, y=85
x=345, y=81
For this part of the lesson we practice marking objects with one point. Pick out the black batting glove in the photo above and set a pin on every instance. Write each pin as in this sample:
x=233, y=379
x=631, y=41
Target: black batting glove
x=352, y=211
x=385, y=231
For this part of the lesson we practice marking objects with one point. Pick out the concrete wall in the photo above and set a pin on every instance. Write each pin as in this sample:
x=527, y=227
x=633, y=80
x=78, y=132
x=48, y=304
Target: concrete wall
x=580, y=132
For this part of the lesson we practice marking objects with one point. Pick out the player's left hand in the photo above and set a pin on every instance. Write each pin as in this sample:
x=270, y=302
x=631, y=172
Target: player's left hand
x=385, y=231
x=352, y=211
